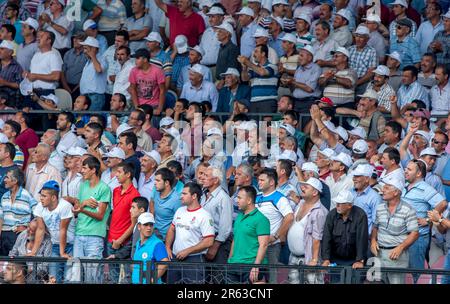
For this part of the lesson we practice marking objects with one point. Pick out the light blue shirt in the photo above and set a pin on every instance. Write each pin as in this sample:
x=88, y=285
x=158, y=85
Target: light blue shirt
x=91, y=81
x=423, y=198
x=368, y=200
x=425, y=34
x=408, y=50
x=103, y=44
x=184, y=76
x=248, y=43
x=276, y=44
x=207, y=91
x=165, y=209
x=435, y=181
x=406, y=94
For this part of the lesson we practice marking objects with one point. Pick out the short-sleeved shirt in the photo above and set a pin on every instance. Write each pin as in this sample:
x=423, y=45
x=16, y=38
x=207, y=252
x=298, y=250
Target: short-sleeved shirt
x=61, y=41
x=247, y=228
x=308, y=75
x=165, y=209
x=46, y=63
x=86, y=225
x=191, y=26
x=17, y=213
x=337, y=92
x=92, y=82
x=152, y=249
x=408, y=49
x=134, y=24
x=113, y=15
x=147, y=83
x=25, y=53
x=73, y=66
x=52, y=220
x=264, y=88
x=191, y=226
x=362, y=60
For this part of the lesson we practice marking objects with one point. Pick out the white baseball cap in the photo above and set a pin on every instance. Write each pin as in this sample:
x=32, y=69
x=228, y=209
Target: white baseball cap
x=309, y=49
x=197, y=68
x=51, y=97
x=327, y=152
x=7, y=45
x=88, y=24
x=400, y=2
x=363, y=170
x=181, y=43
x=358, y=131
x=362, y=30
x=303, y=16
x=395, y=182
x=255, y=1
x=90, y=41
x=360, y=146
x=154, y=155
x=429, y=151
x=75, y=151
x=310, y=166
x=278, y=20
x=313, y=182
x=207, y=3
x=289, y=37
x=260, y=32
x=246, y=125
x=424, y=134
x=3, y=138
x=215, y=10
x=447, y=15
x=115, y=152
x=342, y=133
x=214, y=131
x=199, y=50
x=31, y=22
x=122, y=128
x=276, y=2
x=226, y=27
x=172, y=132
x=382, y=70
x=395, y=55
x=166, y=121
x=146, y=218
x=289, y=155
x=231, y=71
x=345, y=13
x=154, y=36
x=344, y=197
x=373, y=18
x=371, y=94
x=342, y=50
x=246, y=11
x=290, y=129
x=343, y=158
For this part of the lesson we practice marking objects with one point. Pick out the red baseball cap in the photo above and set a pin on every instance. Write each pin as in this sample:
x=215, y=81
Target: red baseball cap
x=326, y=100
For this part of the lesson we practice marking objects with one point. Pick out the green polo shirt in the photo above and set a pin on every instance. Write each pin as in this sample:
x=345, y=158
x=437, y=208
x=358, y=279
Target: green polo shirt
x=247, y=228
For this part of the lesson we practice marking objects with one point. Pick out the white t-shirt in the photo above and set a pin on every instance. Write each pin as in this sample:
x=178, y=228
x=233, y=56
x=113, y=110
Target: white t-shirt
x=61, y=41
x=191, y=226
x=45, y=63
x=52, y=220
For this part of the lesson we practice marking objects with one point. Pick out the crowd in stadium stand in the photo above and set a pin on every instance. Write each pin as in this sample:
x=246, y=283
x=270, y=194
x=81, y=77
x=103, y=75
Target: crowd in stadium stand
x=257, y=132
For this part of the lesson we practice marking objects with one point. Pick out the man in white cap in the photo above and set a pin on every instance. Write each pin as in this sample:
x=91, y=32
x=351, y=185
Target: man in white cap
x=58, y=23
x=380, y=84
x=414, y=142
x=339, y=180
x=93, y=78
x=395, y=75
x=394, y=214
x=302, y=30
x=429, y=156
x=228, y=52
x=309, y=215
x=288, y=62
x=159, y=56
x=11, y=71
x=198, y=89
x=440, y=42
x=341, y=33
x=247, y=21
x=149, y=162
x=72, y=160
x=29, y=46
x=195, y=56
x=344, y=241
x=376, y=40
x=262, y=37
x=323, y=162
x=359, y=153
x=363, y=58
x=276, y=32
x=399, y=8
x=339, y=83
x=179, y=54
x=232, y=91
x=113, y=158
x=90, y=27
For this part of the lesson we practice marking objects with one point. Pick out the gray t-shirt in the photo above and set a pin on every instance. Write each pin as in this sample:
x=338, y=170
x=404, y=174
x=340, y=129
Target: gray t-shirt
x=24, y=54
x=133, y=24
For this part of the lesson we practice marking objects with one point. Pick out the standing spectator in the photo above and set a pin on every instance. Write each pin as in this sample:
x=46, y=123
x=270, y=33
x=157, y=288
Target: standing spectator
x=233, y=92
x=12, y=15
x=139, y=25
x=55, y=216
x=16, y=207
x=275, y=26
x=345, y=235
x=8, y=33
x=27, y=139
x=399, y=8
x=376, y=40
x=405, y=44
x=122, y=76
x=247, y=21
x=195, y=56
x=395, y=229
x=113, y=159
x=121, y=224
x=128, y=143
x=428, y=29
x=341, y=33
x=380, y=84
x=90, y=27
x=29, y=46
x=441, y=43
x=58, y=23
x=166, y=148
x=262, y=38
x=411, y=89
x=339, y=180
x=137, y=120
x=10, y=70
x=113, y=17
x=180, y=59
x=67, y=137
x=198, y=89
x=440, y=92
x=191, y=234
x=426, y=77
x=121, y=38
x=183, y=21
x=276, y=208
x=159, y=57
x=92, y=206
x=7, y=154
x=149, y=162
x=73, y=63
x=139, y=205
x=429, y=156
x=71, y=184
x=209, y=41
x=12, y=130
x=439, y=142
x=324, y=45
x=250, y=241
x=147, y=83
x=391, y=163
x=228, y=51
x=164, y=201
x=93, y=78
x=303, y=27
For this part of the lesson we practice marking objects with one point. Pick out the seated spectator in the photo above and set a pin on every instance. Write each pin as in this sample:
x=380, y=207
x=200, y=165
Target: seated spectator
x=380, y=84
x=121, y=78
x=440, y=92
x=426, y=75
x=404, y=44
x=11, y=71
x=90, y=27
x=139, y=25
x=341, y=33
x=198, y=89
x=93, y=78
x=411, y=88
x=58, y=23
x=232, y=91
x=8, y=33
x=113, y=17
x=303, y=27
x=399, y=8
x=392, y=136
x=324, y=45
x=195, y=56
x=376, y=40
x=29, y=46
x=441, y=44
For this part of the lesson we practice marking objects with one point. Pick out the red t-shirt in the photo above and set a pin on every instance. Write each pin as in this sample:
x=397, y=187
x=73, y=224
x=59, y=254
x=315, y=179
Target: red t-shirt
x=121, y=217
x=148, y=83
x=26, y=140
x=192, y=26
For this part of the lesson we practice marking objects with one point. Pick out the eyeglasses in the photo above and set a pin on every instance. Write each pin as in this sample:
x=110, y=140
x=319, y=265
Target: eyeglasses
x=438, y=142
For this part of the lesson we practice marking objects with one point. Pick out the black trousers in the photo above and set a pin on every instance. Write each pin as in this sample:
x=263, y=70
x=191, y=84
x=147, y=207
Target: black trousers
x=7, y=241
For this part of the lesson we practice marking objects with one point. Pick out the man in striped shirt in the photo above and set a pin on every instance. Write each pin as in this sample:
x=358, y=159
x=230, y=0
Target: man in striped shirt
x=263, y=77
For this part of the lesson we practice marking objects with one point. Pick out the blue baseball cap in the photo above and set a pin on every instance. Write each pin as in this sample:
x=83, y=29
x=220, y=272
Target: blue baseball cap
x=50, y=185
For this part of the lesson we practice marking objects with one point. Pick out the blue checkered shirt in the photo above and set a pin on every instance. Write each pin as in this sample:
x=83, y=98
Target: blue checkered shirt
x=361, y=61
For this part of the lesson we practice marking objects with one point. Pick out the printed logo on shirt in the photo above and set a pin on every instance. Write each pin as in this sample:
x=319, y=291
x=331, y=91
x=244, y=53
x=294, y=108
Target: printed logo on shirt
x=193, y=220
x=145, y=255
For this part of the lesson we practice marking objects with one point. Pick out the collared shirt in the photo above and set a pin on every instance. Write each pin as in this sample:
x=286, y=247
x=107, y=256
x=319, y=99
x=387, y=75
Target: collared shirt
x=342, y=36
x=406, y=94
x=20, y=249
x=440, y=99
x=146, y=186
x=338, y=93
x=122, y=82
x=427, y=81
x=264, y=88
x=11, y=73
x=425, y=34
x=435, y=181
x=113, y=15
x=144, y=140
x=206, y=91
x=345, y=240
x=423, y=198
x=120, y=217
x=344, y=182
x=73, y=65
x=211, y=46
x=377, y=41
x=61, y=41
x=110, y=179
x=444, y=56
x=393, y=30
x=362, y=60
x=113, y=66
x=24, y=54
x=71, y=185
x=183, y=78
x=36, y=179
x=220, y=206
x=227, y=58
x=165, y=209
x=383, y=95
x=276, y=44
x=368, y=200
x=395, y=80
x=163, y=60
x=133, y=24
x=92, y=82
x=179, y=62
x=393, y=228
x=248, y=42
x=17, y=213
x=322, y=50
x=304, y=40
x=308, y=75
x=408, y=50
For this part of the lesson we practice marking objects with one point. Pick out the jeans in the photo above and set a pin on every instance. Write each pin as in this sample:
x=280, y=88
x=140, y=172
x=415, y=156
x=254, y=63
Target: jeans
x=114, y=269
x=89, y=247
x=187, y=274
x=446, y=279
x=273, y=255
x=97, y=101
x=417, y=253
x=60, y=270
